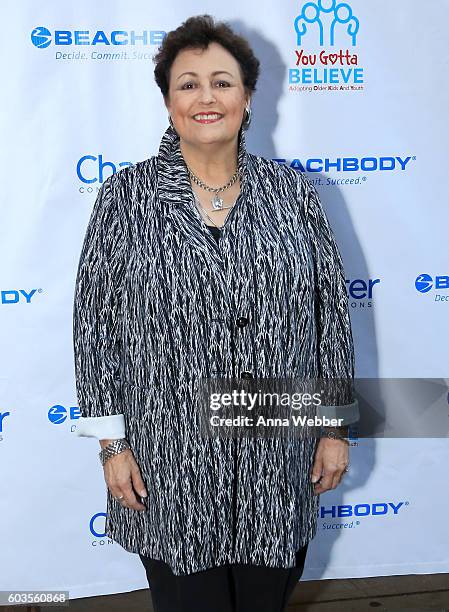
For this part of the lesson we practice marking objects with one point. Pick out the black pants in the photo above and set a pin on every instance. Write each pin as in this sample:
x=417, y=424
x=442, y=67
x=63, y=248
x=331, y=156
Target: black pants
x=227, y=588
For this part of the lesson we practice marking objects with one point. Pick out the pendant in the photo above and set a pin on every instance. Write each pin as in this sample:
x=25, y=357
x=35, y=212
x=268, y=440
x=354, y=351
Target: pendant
x=217, y=203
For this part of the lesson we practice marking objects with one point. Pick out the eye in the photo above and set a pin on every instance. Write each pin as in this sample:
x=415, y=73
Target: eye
x=220, y=83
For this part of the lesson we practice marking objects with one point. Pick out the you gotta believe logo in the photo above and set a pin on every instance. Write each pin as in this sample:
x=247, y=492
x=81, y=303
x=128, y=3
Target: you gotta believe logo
x=320, y=23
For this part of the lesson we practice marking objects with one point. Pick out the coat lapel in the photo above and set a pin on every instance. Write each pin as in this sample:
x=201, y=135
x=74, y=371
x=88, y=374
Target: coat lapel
x=176, y=197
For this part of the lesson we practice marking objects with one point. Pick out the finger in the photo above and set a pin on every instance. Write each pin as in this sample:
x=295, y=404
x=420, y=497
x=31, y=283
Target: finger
x=119, y=477
x=319, y=488
x=115, y=491
x=326, y=480
x=119, y=497
x=337, y=478
x=130, y=498
x=119, y=490
x=317, y=469
x=137, y=481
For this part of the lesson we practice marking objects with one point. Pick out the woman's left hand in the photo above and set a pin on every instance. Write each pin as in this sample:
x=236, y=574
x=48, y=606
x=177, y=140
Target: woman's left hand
x=331, y=459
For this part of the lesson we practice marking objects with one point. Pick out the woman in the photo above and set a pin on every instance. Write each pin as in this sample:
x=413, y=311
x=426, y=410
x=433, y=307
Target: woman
x=207, y=262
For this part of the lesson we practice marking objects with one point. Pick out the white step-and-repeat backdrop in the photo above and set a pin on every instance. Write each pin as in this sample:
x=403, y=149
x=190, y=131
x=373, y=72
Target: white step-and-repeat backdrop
x=355, y=94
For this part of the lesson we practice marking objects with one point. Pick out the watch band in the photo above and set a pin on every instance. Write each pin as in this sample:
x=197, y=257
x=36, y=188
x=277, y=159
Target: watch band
x=329, y=433
x=112, y=449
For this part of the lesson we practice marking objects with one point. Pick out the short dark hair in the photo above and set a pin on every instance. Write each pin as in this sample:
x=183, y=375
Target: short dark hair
x=197, y=33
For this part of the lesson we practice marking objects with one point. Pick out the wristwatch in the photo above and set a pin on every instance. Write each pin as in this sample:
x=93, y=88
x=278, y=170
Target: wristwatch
x=112, y=449
x=329, y=433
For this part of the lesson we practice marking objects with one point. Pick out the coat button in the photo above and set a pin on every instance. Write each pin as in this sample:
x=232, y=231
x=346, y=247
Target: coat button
x=246, y=375
x=242, y=321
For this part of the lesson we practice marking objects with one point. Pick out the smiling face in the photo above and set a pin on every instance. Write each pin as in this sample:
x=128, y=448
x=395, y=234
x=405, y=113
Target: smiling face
x=206, y=82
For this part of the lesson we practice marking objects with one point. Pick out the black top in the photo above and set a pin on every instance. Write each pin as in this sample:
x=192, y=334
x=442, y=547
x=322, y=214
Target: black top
x=215, y=231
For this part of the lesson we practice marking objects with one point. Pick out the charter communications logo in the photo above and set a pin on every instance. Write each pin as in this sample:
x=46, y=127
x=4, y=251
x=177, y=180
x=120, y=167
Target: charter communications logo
x=97, y=526
x=42, y=37
x=3, y=416
x=360, y=291
x=91, y=169
x=320, y=24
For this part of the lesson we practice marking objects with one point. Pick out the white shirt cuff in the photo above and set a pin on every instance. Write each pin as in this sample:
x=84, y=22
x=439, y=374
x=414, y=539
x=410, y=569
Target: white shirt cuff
x=104, y=428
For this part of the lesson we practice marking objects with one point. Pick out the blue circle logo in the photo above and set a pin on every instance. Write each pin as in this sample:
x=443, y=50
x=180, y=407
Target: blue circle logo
x=57, y=414
x=95, y=532
x=423, y=283
x=41, y=37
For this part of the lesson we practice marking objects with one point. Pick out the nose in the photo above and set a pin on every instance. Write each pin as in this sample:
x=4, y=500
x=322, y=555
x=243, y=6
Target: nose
x=207, y=94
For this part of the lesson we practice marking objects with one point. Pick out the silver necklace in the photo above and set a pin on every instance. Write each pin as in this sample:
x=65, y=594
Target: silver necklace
x=205, y=211
x=217, y=203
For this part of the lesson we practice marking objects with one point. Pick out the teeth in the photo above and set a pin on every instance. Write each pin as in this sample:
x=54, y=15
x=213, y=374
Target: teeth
x=207, y=116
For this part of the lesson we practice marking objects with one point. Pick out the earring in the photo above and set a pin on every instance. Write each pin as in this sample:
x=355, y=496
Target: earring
x=247, y=120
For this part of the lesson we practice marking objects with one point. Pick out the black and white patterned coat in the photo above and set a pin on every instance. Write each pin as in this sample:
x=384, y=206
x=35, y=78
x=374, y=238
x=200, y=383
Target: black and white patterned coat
x=155, y=308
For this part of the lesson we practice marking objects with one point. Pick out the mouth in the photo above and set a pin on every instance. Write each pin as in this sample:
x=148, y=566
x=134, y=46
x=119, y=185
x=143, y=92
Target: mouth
x=207, y=117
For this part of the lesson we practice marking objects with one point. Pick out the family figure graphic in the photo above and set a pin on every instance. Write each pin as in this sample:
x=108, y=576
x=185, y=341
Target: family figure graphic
x=317, y=12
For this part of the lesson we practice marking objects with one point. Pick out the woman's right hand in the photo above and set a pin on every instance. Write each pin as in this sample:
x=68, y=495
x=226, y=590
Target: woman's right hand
x=122, y=476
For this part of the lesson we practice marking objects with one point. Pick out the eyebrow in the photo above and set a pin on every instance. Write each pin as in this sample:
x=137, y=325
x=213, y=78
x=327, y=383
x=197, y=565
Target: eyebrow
x=213, y=73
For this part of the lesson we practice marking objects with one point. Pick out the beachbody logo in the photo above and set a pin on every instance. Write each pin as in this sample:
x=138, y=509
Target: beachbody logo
x=424, y=283
x=42, y=37
x=320, y=23
x=14, y=296
x=58, y=414
x=369, y=163
x=376, y=509
x=351, y=513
